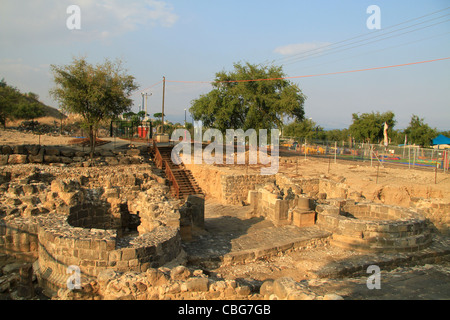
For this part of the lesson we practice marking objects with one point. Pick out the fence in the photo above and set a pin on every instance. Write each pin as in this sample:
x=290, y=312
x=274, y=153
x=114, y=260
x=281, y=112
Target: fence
x=407, y=156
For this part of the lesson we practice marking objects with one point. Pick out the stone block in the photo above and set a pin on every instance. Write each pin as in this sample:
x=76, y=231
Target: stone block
x=7, y=150
x=283, y=287
x=128, y=254
x=20, y=149
x=51, y=159
x=33, y=150
x=4, y=159
x=180, y=273
x=197, y=204
x=303, y=218
x=196, y=285
x=52, y=152
x=65, y=160
x=17, y=159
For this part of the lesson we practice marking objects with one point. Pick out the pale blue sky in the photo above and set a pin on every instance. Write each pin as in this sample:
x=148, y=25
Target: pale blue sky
x=192, y=40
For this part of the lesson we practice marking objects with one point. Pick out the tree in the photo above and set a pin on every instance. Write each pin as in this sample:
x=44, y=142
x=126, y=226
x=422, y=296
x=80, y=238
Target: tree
x=369, y=127
x=249, y=104
x=158, y=115
x=96, y=93
x=9, y=96
x=418, y=132
x=305, y=129
x=28, y=110
x=337, y=135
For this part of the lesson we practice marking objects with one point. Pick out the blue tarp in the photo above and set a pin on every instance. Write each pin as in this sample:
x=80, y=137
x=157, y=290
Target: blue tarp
x=441, y=139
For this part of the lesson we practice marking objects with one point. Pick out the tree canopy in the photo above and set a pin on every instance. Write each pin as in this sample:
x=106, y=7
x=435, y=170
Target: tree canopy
x=305, y=129
x=420, y=133
x=369, y=127
x=237, y=101
x=96, y=92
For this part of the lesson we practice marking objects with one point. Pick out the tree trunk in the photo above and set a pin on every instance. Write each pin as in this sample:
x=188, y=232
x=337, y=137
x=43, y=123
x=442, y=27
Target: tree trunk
x=92, y=140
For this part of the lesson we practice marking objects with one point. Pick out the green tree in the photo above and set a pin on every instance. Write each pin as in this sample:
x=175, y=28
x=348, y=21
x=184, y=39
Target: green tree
x=28, y=110
x=420, y=133
x=239, y=102
x=369, y=127
x=96, y=92
x=337, y=135
x=304, y=129
x=9, y=96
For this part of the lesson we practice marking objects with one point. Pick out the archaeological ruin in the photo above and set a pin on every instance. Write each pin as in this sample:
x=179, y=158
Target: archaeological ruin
x=136, y=226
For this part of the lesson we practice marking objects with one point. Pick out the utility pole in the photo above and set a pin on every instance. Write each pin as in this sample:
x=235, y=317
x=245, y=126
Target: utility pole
x=164, y=90
x=146, y=108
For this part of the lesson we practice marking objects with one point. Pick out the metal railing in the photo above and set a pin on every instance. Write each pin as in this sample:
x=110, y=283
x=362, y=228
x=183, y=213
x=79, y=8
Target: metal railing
x=173, y=181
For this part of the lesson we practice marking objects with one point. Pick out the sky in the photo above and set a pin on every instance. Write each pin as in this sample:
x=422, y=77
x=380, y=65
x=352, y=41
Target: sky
x=193, y=40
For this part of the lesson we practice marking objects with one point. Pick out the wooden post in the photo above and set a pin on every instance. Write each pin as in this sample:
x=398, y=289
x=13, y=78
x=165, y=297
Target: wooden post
x=378, y=170
x=335, y=151
x=305, y=149
x=329, y=164
x=435, y=174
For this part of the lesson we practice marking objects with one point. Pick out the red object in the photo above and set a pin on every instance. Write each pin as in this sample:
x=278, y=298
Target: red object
x=143, y=131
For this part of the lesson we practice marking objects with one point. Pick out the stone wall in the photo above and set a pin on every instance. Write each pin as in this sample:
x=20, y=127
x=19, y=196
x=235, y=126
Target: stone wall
x=373, y=227
x=19, y=237
x=87, y=217
x=177, y=283
x=22, y=154
x=436, y=210
x=226, y=186
x=235, y=188
x=95, y=250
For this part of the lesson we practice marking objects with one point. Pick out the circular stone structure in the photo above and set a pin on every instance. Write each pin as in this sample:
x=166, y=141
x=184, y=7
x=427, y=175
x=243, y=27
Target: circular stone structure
x=62, y=245
x=373, y=227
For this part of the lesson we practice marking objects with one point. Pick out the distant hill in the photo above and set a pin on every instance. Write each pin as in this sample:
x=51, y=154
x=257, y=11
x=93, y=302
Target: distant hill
x=16, y=106
x=52, y=112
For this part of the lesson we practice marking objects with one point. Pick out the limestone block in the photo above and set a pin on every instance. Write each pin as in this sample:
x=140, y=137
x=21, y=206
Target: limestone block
x=17, y=159
x=38, y=158
x=52, y=159
x=285, y=286
x=303, y=218
x=196, y=285
x=4, y=159
x=180, y=273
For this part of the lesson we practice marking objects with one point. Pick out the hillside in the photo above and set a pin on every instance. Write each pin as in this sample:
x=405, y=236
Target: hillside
x=16, y=106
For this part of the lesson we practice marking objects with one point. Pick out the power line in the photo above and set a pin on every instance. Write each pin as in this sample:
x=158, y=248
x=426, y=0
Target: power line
x=320, y=49
x=297, y=59
x=360, y=45
x=383, y=49
x=153, y=85
x=315, y=75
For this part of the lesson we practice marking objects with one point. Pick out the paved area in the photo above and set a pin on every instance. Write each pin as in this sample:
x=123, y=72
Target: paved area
x=232, y=237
